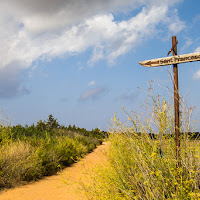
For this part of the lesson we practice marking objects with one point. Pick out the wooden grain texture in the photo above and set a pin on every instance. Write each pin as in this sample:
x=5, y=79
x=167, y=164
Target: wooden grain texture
x=192, y=57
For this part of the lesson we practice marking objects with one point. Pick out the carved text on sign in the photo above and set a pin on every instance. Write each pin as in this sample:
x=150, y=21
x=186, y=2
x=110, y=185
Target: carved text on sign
x=192, y=57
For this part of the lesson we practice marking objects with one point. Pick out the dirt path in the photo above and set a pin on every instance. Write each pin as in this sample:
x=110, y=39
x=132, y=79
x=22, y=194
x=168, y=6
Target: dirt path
x=64, y=186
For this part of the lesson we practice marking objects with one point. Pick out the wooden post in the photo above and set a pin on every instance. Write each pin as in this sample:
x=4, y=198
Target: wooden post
x=176, y=104
x=174, y=60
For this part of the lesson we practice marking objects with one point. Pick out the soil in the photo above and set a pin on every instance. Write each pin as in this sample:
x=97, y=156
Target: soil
x=66, y=185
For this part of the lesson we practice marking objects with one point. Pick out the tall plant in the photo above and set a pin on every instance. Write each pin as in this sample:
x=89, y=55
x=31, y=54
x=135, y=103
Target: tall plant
x=144, y=167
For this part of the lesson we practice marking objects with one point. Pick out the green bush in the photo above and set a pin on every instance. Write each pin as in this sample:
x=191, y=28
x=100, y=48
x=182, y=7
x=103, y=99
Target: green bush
x=31, y=152
x=142, y=167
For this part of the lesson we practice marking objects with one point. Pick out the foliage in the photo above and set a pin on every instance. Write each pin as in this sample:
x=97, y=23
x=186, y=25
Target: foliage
x=30, y=152
x=144, y=167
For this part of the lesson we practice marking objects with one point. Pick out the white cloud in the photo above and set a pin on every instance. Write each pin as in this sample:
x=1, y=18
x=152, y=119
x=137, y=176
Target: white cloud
x=11, y=82
x=188, y=42
x=97, y=55
x=196, y=19
x=91, y=83
x=116, y=38
x=174, y=23
x=196, y=75
x=176, y=26
x=49, y=15
x=93, y=94
x=197, y=49
x=128, y=96
x=45, y=29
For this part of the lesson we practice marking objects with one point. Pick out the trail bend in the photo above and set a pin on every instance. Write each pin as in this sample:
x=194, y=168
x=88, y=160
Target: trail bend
x=66, y=185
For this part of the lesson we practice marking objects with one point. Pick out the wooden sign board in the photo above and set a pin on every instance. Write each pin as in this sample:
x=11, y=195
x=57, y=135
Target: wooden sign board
x=174, y=60
x=192, y=57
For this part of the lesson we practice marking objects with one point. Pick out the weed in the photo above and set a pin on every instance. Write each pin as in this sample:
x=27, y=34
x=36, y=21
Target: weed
x=141, y=158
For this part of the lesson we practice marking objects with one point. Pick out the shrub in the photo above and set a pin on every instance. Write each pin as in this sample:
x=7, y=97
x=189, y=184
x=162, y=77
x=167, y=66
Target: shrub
x=14, y=162
x=29, y=153
x=144, y=167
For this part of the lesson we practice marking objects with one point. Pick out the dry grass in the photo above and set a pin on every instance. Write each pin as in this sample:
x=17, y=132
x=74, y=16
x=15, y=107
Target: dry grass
x=144, y=168
x=14, y=159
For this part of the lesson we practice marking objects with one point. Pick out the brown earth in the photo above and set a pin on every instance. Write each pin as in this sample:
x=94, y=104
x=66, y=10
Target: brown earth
x=66, y=185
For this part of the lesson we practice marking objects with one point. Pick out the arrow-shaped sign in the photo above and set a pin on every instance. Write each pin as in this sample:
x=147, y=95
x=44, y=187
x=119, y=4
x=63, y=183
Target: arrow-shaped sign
x=174, y=60
x=192, y=57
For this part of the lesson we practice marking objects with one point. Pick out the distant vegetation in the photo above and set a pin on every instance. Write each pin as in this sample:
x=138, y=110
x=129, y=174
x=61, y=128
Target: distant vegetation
x=30, y=152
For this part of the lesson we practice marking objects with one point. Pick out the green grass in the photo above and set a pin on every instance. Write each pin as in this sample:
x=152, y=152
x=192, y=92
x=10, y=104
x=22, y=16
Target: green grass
x=29, y=153
x=136, y=170
x=141, y=168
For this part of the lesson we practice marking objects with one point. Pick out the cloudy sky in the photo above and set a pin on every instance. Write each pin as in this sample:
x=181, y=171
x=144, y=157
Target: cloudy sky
x=78, y=60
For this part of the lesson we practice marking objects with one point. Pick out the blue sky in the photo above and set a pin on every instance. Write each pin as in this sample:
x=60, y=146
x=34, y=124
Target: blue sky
x=78, y=60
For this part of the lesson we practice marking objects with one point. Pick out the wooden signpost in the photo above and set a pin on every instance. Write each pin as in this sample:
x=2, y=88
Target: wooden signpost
x=192, y=57
x=174, y=60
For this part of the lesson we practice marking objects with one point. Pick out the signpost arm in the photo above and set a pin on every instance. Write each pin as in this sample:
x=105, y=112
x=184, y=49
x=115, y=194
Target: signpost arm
x=176, y=103
x=174, y=60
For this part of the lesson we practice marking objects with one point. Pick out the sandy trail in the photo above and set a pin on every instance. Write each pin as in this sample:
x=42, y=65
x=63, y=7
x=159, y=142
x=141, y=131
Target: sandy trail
x=63, y=186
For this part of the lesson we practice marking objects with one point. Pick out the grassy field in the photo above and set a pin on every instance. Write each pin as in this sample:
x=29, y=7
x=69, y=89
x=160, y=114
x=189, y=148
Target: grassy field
x=137, y=170
x=31, y=152
x=144, y=168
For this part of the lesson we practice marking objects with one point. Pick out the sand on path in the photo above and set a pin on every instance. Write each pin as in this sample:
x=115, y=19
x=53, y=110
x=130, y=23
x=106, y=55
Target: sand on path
x=66, y=185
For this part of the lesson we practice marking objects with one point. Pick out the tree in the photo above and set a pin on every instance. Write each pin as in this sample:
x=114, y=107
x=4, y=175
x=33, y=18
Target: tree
x=41, y=125
x=52, y=123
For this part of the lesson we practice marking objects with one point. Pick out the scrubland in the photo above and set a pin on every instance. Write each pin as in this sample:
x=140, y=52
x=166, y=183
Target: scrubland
x=32, y=152
x=142, y=161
